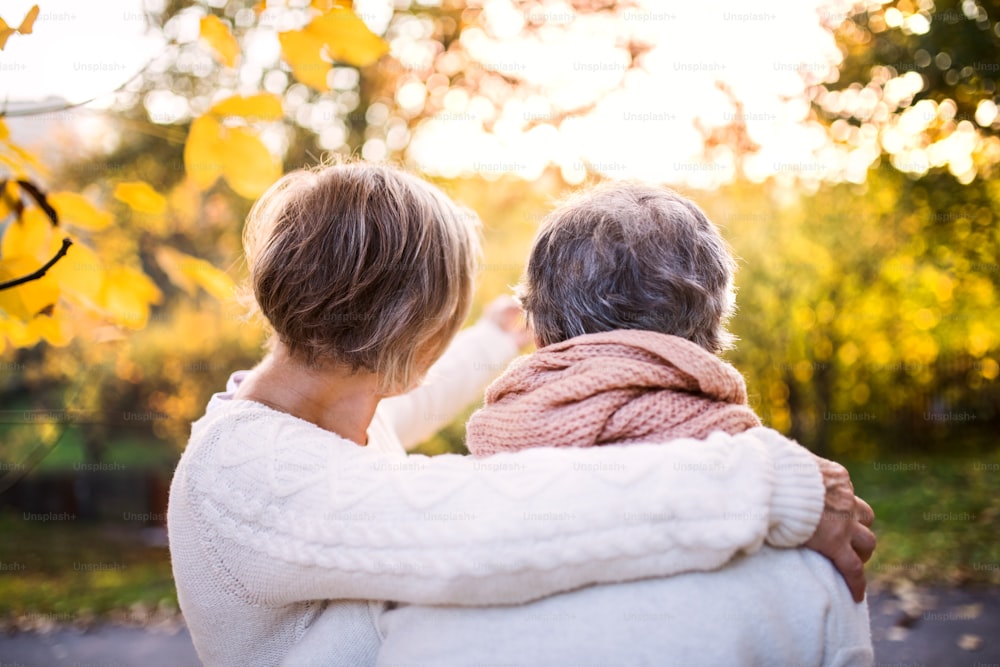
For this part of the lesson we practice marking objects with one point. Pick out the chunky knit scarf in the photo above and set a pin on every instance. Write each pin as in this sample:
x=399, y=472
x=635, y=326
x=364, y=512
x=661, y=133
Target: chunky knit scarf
x=617, y=387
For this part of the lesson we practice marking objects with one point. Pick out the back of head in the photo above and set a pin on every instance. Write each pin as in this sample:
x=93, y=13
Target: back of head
x=362, y=265
x=629, y=256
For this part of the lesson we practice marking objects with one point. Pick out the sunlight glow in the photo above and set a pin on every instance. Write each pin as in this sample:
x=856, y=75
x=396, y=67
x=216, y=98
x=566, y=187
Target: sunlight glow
x=77, y=51
x=650, y=120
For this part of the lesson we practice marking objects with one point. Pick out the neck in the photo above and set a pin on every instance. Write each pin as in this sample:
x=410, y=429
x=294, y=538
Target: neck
x=331, y=397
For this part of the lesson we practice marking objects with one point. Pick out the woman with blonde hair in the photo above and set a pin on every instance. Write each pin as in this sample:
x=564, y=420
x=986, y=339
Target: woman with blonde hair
x=295, y=498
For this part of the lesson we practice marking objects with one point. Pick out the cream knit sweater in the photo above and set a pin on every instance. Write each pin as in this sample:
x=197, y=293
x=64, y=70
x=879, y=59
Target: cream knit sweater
x=270, y=515
x=773, y=607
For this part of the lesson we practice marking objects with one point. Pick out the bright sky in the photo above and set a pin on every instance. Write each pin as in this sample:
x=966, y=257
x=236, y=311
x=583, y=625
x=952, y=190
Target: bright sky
x=643, y=122
x=78, y=50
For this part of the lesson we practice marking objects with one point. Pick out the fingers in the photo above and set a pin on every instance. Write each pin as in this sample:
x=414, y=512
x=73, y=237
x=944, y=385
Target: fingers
x=863, y=542
x=853, y=571
x=864, y=512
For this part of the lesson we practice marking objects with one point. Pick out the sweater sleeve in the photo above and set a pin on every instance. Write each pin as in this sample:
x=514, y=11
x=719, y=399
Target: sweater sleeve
x=289, y=516
x=476, y=356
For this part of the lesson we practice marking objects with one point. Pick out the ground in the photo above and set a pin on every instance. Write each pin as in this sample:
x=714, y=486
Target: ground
x=912, y=627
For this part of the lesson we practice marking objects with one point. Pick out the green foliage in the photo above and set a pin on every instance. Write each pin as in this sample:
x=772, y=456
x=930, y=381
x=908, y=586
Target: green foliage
x=956, y=56
x=869, y=311
x=936, y=518
x=70, y=570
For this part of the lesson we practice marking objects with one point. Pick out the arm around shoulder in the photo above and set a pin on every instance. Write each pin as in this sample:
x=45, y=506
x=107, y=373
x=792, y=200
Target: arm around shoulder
x=299, y=520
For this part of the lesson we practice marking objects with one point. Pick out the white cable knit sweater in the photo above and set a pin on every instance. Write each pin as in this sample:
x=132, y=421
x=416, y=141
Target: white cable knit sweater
x=270, y=515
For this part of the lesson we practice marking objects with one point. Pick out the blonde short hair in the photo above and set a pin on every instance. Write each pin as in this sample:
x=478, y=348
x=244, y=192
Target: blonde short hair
x=362, y=265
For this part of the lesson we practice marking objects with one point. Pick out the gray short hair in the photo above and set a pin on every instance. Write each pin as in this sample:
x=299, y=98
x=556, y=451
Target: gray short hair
x=629, y=256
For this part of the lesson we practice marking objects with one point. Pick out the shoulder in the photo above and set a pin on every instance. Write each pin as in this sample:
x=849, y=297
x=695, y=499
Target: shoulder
x=242, y=446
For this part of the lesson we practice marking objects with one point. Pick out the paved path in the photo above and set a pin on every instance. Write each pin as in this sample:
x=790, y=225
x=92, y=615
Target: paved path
x=918, y=628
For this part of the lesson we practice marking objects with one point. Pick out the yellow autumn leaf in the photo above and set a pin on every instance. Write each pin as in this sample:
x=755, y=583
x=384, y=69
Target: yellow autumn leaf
x=28, y=299
x=8, y=199
x=29, y=21
x=185, y=202
x=189, y=273
x=327, y=5
x=17, y=333
x=211, y=279
x=217, y=34
x=126, y=295
x=4, y=132
x=304, y=54
x=261, y=107
x=30, y=236
x=168, y=260
x=5, y=32
x=141, y=197
x=54, y=329
x=247, y=165
x=80, y=275
x=25, y=28
x=347, y=38
x=201, y=152
x=21, y=163
x=28, y=159
x=76, y=210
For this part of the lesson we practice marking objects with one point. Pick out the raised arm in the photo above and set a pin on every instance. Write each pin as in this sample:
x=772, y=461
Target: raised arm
x=333, y=520
x=476, y=356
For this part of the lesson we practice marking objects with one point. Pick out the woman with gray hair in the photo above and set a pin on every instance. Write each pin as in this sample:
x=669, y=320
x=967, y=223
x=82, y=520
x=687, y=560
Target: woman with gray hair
x=295, y=507
x=628, y=288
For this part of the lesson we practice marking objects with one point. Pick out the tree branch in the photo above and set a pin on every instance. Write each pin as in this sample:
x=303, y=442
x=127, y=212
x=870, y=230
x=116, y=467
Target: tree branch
x=66, y=243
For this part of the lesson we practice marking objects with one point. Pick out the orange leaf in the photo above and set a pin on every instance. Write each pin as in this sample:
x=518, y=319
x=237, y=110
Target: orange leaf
x=25, y=28
x=5, y=32
x=29, y=21
x=218, y=35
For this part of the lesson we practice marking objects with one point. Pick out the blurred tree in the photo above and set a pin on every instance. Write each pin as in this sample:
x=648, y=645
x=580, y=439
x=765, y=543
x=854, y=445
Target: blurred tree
x=919, y=82
x=952, y=45
x=83, y=270
x=885, y=291
x=868, y=314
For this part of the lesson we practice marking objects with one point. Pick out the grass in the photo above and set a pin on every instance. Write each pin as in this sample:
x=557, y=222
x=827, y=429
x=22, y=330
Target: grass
x=65, y=570
x=937, y=522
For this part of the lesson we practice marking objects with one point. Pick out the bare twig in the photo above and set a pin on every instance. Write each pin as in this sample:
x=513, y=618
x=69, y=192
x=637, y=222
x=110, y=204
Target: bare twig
x=36, y=275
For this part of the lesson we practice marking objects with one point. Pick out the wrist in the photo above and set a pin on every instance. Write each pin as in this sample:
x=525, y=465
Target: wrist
x=798, y=491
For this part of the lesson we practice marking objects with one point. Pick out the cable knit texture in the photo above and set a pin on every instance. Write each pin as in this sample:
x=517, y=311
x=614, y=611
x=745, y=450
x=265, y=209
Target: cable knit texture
x=775, y=607
x=270, y=515
x=619, y=387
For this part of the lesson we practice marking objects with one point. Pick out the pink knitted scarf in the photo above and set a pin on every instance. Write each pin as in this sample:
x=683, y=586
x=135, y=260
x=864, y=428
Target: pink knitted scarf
x=617, y=387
